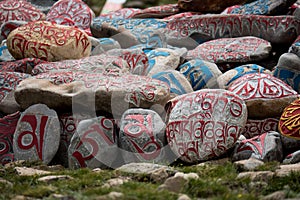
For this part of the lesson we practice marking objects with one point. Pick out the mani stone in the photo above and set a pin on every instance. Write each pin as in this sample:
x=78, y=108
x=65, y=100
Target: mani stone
x=71, y=12
x=8, y=126
x=204, y=124
x=160, y=11
x=295, y=48
x=265, y=95
x=264, y=7
x=289, y=125
x=37, y=134
x=208, y=6
x=94, y=144
x=201, y=74
x=142, y=136
x=292, y=158
x=8, y=84
x=111, y=94
x=232, y=50
x=102, y=45
x=288, y=70
x=266, y=147
x=256, y=127
x=19, y=10
x=48, y=41
x=230, y=76
x=201, y=28
x=123, y=13
x=177, y=82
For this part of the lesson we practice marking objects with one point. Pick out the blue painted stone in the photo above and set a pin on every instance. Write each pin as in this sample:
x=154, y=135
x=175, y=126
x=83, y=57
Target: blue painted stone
x=288, y=70
x=178, y=83
x=201, y=74
x=264, y=7
x=231, y=75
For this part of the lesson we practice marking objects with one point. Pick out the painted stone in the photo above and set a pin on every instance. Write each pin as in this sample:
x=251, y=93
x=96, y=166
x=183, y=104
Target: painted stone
x=19, y=10
x=202, y=28
x=177, y=82
x=8, y=84
x=292, y=158
x=130, y=32
x=208, y=6
x=295, y=48
x=71, y=12
x=111, y=94
x=230, y=76
x=37, y=134
x=288, y=123
x=162, y=59
x=264, y=7
x=265, y=95
x=42, y=5
x=158, y=11
x=266, y=147
x=102, y=45
x=48, y=41
x=204, y=124
x=201, y=74
x=22, y=66
x=136, y=59
x=8, y=126
x=255, y=127
x=69, y=124
x=94, y=144
x=227, y=50
x=142, y=136
x=179, y=16
x=4, y=53
x=124, y=13
x=287, y=70
x=9, y=26
x=106, y=64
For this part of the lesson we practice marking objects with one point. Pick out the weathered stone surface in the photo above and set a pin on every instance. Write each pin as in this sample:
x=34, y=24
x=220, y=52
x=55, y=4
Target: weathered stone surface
x=264, y=7
x=158, y=11
x=292, y=158
x=19, y=10
x=105, y=64
x=228, y=50
x=257, y=127
x=201, y=74
x=249, y=164
x=8, y=126
x=208, y=5
x=111, y=94
x=72, y=13
x=48, y=41
x=228, y=77
x=295, y=48
x=285, y=170
x=289, y=145
x=266, y=147
x=265, y=95
x=49, y=179
x=177, y=82
x=144, y=168
x=94, y=144
x=275, y=195
x=115, y=182
x=8, y=83
x=25, y=171
x=287, y=70
x=102, y=45
x=275, y=29
x=289, y=124
x=37, y=134
x=204, y=124
x=142, y=136
x=257, y=176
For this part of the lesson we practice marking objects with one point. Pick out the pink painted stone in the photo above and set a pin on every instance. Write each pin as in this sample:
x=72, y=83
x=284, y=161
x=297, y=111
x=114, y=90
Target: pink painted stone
x=19, y=10
x=265, y=95
x=204, y=124
x=94, y=145
x=124, y=13
x=48, y=41
x=183, y=15
x=8, y=126
x=37, y=134
x=258, y=127
x=158, y=11
x=22, y=66
x=71, y=12
x=227, y=50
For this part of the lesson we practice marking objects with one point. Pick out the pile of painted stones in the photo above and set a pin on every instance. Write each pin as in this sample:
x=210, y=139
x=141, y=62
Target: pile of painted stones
x=187, y=82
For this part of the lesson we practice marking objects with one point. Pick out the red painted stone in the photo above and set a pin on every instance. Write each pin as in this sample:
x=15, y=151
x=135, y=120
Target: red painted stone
x=72, y=13
x=257, y=127
x=48, y=41
x=22, y=66
x=158, y=11
x=19, y=10
x=289, y=123
x=8, y=126
x=204, y=124
x=124, y=13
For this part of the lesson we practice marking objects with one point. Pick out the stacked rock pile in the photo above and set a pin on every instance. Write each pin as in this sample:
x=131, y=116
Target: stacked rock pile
x=192, y=81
